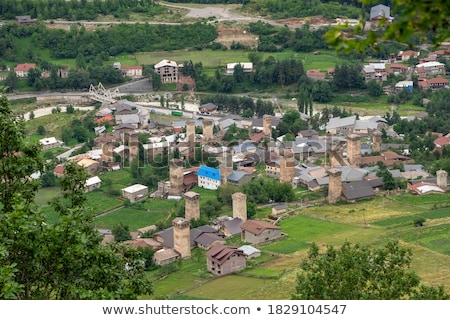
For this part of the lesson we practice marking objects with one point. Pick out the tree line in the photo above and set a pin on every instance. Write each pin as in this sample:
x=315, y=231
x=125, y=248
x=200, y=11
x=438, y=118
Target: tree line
x=77, y=10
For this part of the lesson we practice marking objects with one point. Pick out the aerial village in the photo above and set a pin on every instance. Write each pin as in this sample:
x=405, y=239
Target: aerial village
x=347, y=174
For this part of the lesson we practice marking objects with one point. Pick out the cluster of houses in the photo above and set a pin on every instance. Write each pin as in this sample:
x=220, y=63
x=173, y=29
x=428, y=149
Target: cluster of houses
x=177, y=241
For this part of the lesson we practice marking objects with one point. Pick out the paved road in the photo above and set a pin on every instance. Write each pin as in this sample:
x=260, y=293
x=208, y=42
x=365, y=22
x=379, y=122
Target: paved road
x=68, y=153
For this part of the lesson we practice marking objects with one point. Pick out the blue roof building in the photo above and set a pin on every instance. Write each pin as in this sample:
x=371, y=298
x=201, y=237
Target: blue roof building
x=209, y=178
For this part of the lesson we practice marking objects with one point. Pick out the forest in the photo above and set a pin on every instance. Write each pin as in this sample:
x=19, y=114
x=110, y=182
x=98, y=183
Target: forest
x=77, y=10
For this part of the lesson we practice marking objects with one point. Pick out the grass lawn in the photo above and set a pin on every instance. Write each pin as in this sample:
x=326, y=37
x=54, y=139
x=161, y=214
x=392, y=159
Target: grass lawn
x=101, y=201
x=54, y=124
x=302, y=231
x=409, y=219
x=212, y=59
x=133, y=218
x=44, y=195
x=205, y=194
x=191, y=273
x=232, y=287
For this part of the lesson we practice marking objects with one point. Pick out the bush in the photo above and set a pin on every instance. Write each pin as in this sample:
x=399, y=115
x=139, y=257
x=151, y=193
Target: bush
x=419, y=222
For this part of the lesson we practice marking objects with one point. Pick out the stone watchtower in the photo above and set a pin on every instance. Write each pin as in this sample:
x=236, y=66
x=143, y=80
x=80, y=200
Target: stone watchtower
x=182, y=237
x=267, y=125
x=240, y=206
x=354, y=150
x=287, y=166
x=192, y=205
x=190, y=134
x=207, y=130
x=335, y=185
x=176, y=177
x=376, y=141
x=225, y=166
x=133, y=145
x=442, y=179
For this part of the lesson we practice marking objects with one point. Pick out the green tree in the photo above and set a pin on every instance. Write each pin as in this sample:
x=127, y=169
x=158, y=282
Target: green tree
x=60, y=260
x=375, y=90
x=11, y=81
x=428, y=19
x=357, y=272
x=121, y=232
x=19, y=159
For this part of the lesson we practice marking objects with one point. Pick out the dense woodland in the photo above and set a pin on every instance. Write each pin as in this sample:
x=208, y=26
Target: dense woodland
x=77, y=10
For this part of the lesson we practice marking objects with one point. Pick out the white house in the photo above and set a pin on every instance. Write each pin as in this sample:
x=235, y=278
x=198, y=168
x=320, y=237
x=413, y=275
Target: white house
x=92, y=183
x=209, y=178
x=49, y=143
x=246, y=66
x=135, y=192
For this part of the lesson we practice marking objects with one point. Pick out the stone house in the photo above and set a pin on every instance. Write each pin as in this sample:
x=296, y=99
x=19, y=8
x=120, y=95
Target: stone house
x=222, y=260
x=92, y=183
x=258, y=231
x=91, y=166
x=135, y=192
x=165, y=256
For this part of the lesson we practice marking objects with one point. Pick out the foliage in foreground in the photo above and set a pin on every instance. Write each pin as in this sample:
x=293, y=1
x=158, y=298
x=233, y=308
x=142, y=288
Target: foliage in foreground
x=357, y=272
x=65, y=260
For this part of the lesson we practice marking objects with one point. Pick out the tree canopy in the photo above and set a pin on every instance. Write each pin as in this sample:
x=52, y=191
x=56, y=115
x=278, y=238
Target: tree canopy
x=360, y=272
x=60, y=260
x=427, y=18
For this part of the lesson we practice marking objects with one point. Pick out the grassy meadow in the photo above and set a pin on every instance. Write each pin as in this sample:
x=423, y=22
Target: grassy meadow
x=212, y=59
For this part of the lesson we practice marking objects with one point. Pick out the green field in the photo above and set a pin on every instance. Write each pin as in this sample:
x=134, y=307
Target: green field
x=212, y=59
x=130, y=217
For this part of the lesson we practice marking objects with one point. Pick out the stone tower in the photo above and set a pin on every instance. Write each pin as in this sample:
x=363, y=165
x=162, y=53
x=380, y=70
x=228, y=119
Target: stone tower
x=376, y=141
x=190, y=133
x=192, y=205
x=207, y=130
x=133, y=145
x=240, y=206
x=442, y=179
x=225, y=166
x=354, y=150
x=176, y=177
x=267, y=125
x=182, y=237
x=287, y=166
x=335, y=185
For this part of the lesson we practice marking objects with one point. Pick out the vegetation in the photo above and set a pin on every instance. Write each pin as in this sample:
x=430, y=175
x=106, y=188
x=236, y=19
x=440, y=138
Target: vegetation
x=413, y=20
x=77, y=10
x=62, y=260
x=354, y=272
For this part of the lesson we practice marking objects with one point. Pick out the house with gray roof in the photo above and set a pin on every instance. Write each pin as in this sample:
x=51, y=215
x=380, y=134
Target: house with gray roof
x=250, y=252
x=341, y=126
x=231, y=227
x=239, y=178
x=227, y=123
x=357, y=190
x=379, y=12
x=208, y=240
x=131, y=119
x=365, y=127
x=352, y=174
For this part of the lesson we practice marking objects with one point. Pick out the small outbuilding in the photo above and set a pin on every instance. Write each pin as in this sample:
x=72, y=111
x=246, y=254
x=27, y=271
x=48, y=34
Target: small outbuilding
x=135, y=192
